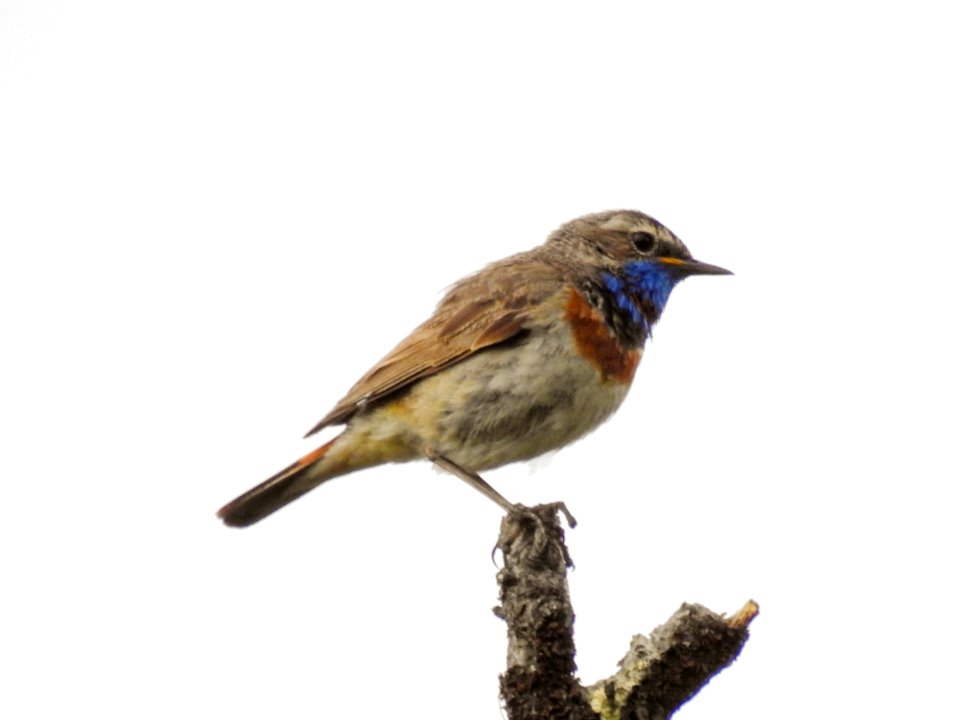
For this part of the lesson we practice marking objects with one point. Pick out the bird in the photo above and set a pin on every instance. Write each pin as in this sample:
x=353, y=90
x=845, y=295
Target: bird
x=526, y=356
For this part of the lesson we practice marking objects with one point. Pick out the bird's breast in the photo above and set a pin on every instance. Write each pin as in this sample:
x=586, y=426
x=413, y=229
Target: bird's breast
x=517, y=400
x=596, y=341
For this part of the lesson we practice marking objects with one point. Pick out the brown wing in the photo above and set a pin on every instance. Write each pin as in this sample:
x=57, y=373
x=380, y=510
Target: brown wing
x=478, y=312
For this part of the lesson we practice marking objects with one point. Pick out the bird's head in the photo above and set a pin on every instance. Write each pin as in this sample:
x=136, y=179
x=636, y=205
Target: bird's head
x=631, y=256
x=616, y=238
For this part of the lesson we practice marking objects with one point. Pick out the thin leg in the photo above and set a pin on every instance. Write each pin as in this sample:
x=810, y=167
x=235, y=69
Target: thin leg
x=472, y=479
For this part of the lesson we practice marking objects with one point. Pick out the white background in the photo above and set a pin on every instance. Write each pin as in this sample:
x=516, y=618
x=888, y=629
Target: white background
x=215, y=216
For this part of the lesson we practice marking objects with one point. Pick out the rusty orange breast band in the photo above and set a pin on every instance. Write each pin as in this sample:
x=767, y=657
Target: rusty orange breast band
x=596, y=342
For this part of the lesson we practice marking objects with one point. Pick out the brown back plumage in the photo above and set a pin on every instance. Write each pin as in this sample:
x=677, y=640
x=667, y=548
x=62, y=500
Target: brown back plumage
x=481, y=310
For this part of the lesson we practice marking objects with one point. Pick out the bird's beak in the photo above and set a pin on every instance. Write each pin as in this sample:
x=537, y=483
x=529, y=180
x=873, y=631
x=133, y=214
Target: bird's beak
x=693, y=267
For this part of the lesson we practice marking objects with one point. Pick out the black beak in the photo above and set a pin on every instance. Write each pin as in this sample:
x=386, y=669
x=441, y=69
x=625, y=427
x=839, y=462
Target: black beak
x=693, y=267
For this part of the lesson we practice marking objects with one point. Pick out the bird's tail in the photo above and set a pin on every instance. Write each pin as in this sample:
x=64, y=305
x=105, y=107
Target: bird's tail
x=286, y=486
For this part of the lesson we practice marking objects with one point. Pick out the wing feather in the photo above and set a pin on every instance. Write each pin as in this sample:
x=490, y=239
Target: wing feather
x=478, y=312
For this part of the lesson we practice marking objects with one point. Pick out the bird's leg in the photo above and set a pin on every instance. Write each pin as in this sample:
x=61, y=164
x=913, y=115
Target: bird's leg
x=471, y=478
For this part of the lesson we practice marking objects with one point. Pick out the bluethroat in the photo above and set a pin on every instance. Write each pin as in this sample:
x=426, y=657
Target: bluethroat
x=521, y=358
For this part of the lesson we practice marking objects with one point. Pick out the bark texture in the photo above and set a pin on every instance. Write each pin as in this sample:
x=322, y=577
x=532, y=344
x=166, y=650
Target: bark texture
x=657, y=675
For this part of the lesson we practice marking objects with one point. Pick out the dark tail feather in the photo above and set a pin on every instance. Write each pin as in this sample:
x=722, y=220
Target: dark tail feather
x=284, y=487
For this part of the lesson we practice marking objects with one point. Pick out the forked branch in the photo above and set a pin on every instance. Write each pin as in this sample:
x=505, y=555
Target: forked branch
x=657, y=675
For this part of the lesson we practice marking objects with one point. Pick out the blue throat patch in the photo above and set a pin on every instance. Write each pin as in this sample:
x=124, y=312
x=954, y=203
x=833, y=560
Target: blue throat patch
x=646, y=281
x=651, y=280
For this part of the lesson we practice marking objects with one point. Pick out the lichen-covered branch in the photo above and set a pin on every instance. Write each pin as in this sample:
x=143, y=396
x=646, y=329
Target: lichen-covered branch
x=535, y=602
x=656, y=676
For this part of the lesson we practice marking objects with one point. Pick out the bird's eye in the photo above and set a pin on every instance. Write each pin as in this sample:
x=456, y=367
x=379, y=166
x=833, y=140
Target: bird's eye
x=642, y=240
